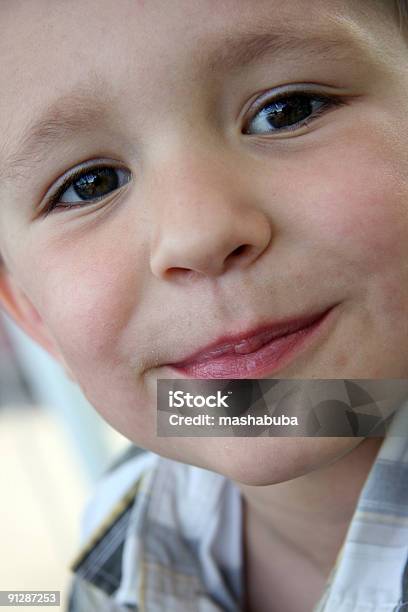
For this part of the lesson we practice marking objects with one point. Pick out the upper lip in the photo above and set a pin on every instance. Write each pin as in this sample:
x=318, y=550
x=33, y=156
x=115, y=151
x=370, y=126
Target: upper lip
x=252, y=339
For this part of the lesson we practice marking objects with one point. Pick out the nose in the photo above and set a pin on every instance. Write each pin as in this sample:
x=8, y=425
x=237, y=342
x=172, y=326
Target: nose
x=205, y=223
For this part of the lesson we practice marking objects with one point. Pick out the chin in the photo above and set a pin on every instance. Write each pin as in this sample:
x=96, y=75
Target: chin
x=265, y=461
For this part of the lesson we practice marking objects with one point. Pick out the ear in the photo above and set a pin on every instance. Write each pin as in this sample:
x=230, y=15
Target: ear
x=17, y=305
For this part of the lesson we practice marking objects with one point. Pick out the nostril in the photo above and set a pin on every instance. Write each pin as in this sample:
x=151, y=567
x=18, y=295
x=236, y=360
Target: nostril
x=244, y=254
x=183, y=274
x=240, y=250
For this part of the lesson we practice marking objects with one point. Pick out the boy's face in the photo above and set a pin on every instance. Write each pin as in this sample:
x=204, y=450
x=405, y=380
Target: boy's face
x=171, y=100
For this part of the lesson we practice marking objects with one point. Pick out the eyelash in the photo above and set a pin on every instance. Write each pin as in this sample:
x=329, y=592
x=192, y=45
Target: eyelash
x=327, y=103
x=69, y=181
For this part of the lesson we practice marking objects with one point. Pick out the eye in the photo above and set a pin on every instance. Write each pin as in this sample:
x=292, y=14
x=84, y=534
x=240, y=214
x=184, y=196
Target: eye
x=289, y=112
x=88, y=185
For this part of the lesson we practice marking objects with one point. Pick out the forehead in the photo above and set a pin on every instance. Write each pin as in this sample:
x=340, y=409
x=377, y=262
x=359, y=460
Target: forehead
x=68, y=38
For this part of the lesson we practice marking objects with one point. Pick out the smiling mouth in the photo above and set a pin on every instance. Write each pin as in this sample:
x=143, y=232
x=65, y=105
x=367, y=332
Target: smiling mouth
x=258, y=355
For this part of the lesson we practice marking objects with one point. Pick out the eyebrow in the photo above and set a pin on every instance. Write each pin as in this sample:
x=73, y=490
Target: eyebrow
x=246, y=48
x=85, y=106
x=89, y=105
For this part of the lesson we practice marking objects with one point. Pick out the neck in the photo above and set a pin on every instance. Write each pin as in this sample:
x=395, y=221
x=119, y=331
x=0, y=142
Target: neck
x=305, y=520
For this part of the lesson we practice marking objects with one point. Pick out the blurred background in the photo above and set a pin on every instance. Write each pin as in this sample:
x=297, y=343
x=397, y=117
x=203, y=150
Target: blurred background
x=54, y=447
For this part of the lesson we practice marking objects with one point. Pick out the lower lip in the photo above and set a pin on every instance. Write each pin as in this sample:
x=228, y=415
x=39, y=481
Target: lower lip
x=267, y=360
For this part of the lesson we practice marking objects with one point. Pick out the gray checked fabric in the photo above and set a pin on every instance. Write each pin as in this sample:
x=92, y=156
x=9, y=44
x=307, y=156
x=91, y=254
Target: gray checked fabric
x=164, y=536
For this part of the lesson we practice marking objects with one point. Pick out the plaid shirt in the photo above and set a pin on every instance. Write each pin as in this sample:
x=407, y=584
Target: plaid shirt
x=163, y=536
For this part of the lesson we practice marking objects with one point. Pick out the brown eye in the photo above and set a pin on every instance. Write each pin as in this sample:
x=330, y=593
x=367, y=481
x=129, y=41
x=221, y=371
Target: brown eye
x=95, y=183
x=88, y=185
x=288, y=113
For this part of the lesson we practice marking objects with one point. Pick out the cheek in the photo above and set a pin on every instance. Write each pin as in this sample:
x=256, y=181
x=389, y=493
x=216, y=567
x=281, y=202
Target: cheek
x=356, y=216
x=88, y=299
x=90, y=304
x=362, y=213
x=369, y=221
